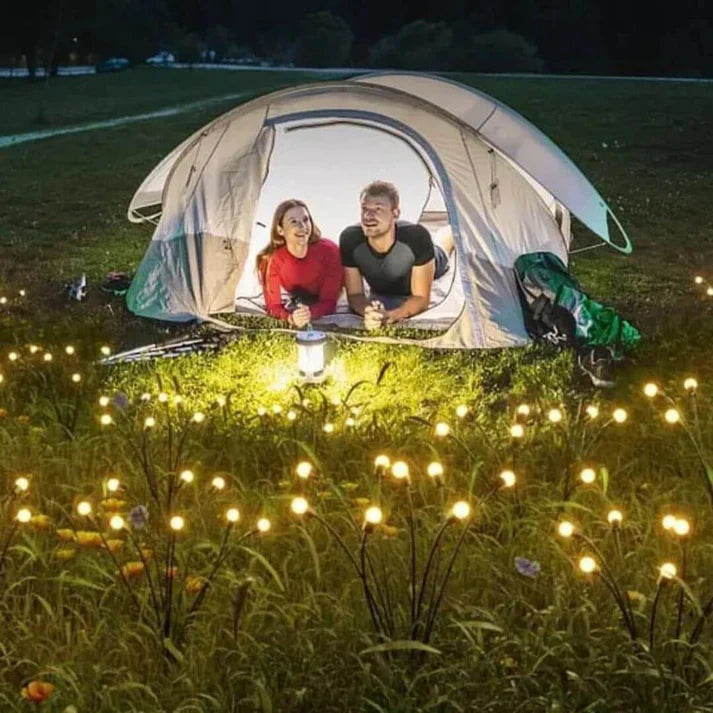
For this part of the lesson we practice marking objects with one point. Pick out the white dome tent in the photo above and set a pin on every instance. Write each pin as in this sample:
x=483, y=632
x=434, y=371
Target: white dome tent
x=458, y=157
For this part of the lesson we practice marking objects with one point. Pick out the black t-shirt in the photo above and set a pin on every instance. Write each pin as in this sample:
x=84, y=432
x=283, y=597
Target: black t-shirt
x=387, y=273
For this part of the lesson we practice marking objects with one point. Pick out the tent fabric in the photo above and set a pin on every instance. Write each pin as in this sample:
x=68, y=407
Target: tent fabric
x=201, y=246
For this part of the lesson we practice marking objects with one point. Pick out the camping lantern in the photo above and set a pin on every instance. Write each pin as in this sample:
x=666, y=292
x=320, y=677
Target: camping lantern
x=310, y=355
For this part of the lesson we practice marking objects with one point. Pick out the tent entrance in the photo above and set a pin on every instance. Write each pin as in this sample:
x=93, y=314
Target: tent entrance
x=326, y=163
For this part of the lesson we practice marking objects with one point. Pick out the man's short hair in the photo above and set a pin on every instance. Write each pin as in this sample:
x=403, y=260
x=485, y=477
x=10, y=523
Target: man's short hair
x=381, y=188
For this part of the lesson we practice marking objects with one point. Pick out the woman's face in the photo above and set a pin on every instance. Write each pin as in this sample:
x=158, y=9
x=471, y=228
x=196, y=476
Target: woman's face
x=295, y=229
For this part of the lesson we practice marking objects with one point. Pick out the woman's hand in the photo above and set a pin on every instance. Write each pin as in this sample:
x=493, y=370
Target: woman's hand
x=301, y=316
x=373, y=316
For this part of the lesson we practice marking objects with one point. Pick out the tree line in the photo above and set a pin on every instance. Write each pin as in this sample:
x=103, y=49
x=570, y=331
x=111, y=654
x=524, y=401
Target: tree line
x=572, y=36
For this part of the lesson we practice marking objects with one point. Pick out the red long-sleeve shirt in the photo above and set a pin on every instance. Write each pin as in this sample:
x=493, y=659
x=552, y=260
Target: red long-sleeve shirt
x=318, y=273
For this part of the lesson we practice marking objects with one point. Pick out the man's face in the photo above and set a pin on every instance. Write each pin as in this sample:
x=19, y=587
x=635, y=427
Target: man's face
x=377, y=215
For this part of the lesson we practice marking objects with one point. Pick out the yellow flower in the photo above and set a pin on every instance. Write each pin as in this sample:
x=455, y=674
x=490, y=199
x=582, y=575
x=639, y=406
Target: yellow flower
x=37, y=691
x=132, y=570
x=67, y=535
x=113, y=505
x=64, y=553
x=89, y=539
x=40, y=522
x=114, y=545
x=194, y=585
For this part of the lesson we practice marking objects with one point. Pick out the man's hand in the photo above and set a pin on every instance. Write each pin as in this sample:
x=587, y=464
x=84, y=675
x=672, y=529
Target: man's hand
x=373, y=316
x=301, y=316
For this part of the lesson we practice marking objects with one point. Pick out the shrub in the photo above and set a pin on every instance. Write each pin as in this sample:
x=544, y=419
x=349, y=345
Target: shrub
x=325, y=41
x=498, y=51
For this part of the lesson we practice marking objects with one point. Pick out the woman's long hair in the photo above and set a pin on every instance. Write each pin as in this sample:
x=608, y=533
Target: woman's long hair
x=276, y=240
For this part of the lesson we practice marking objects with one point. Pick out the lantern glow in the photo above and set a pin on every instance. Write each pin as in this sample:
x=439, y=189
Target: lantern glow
x=615, y=517
x=672, y=416
x=588, y=476
x=218, y=482
x=461, y=411
x=310, y=355
x=22, y=484
x=84, y=508
x=554, y=415
x=690, y=384
x=304, y=469
x=517, y=431
x=117, y=522
x=442, y=429
x=112, y=485
x=23, y=515
x=400, y=470
x=177, y=523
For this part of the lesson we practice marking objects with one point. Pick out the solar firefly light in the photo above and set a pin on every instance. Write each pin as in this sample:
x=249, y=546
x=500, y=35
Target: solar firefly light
x=310, y=356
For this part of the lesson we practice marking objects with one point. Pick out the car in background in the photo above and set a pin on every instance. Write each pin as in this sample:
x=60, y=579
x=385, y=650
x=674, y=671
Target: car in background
x=113, y=64
x=162, y=57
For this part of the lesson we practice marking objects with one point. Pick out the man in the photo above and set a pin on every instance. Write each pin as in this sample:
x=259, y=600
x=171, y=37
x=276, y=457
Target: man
x=398, y=260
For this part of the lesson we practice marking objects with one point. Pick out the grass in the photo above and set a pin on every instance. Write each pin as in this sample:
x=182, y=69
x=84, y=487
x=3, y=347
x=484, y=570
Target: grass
x=285, y=626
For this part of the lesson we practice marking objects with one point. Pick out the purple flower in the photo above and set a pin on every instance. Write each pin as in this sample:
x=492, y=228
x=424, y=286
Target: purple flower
x=138, y=517
x=121, y=400
x=529, y=568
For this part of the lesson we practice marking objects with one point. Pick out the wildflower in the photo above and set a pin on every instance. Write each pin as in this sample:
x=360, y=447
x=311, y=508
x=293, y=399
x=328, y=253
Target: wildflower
x=113, y=504
x=38, y=691
x=114, y=545
x=131, y=570
x=89, y=539
x=67, y=535
x=138, y=517
x=65, y=553
x=194, y=585
x=120, y=400
x=526, y=567
x=40, y=522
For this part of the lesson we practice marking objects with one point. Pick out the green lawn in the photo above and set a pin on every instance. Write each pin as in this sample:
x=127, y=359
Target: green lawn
x=285, y=624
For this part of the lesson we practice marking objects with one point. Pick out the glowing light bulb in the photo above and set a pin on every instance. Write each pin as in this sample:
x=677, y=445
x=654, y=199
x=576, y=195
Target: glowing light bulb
x=146, y=397
x=84, y=508
x=299, y=506
x=178, y=399
x=400, y=470
x=117, y=522
x=187, y=476
x=177, y=523
x=264, y=525
x=47, y=356
x=523, y=410
x=615, y=517
x=461, y=411
x=113, y=484
x=690, y=384
x=373, y=515
x=22, y=484
x=672, y=416
x=442, y=429
x=349, y=421
x=69, y=349
x=382, y=462
x=698, y=280
x=221, y=401
x=709, y=292
x=261, y=410
x=13, y=356
x=328, y=428
x=106, y=419
x=291, y=416
x=668, y=570
x=588, y=476
x=517, y=431
x=508, y=478
x=34, y=349
x=149, y=422
x=23, y=515
x=682, y=527
x=276, y=409
x=103, y=401
x=565, y=529
x=588, y=565
x=620, y=415
x=163, y=397
x=461, y=510
x=592, y=411
x=555, y=415
x=435, y=470
x=198, y=417
x=218, y=482
x=105, y=350
x=232, y=515
x=651, y=390
x=304, y=469
x=668, y=522
x=76, y=378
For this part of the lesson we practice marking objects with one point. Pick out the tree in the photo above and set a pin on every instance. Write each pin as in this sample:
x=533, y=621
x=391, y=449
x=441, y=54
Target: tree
x=325, y=40
x=418, y=45
x=497, y=51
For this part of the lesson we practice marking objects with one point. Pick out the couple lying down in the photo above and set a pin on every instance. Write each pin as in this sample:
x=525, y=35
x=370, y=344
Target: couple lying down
x=397, y=260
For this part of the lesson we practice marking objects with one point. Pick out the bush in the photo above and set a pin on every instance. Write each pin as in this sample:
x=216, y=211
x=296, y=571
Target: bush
x=325, y=41
x=418, y=45
x=190, y=49
x=498, y=51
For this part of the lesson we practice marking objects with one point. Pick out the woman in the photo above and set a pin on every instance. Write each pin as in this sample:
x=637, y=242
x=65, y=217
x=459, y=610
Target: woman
x=300, y=262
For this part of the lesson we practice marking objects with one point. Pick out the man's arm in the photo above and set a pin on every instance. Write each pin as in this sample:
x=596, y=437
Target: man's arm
x=421, y=282
x=355, y=290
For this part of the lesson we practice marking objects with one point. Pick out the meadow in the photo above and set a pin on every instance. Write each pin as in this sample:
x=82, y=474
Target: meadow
x=199, y=534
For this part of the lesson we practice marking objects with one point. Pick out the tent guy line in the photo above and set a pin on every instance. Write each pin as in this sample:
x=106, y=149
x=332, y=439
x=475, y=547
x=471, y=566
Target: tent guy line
x=14, y=139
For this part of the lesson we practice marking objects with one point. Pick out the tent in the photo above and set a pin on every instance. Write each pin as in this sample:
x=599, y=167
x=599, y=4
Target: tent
x=458, y=157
